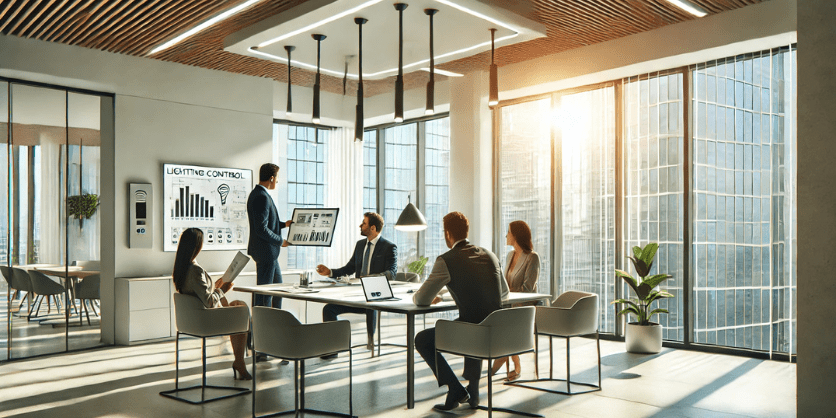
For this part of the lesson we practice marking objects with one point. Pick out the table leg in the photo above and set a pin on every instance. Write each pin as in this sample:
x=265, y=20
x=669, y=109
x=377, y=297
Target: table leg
x=410, y=361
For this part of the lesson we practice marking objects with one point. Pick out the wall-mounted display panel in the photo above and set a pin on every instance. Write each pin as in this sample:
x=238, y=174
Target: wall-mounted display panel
x=212, y=199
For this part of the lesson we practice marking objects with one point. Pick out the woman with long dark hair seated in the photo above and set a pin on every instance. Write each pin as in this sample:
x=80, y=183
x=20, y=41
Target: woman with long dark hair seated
x=191, y=279
x=522, y=269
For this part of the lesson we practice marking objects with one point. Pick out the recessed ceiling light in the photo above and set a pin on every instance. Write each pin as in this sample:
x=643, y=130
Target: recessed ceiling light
x=689, y=7
x=203, y=26
x=443, y=72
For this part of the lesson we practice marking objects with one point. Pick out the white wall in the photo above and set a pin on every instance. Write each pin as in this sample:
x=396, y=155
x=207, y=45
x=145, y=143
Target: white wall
x=164, y=113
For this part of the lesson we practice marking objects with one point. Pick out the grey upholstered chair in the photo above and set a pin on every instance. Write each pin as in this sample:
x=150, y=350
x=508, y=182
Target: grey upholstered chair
x=198, y=321
x=45, y=288
x=20, y=282
x=87, y=290
x=573, y=314
x=279, y=334
x=506, y=332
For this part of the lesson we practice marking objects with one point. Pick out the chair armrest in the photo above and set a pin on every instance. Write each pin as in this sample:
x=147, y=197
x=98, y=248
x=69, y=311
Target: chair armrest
x=214, y=321
x=462, y=337
x=303, y=340
x=565, y=321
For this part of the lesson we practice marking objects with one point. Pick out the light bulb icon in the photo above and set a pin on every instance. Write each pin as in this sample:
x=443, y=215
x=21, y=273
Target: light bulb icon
x=223, y=190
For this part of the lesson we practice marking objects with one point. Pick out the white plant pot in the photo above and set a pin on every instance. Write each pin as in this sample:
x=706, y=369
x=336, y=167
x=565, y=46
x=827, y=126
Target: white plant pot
x=643, y=339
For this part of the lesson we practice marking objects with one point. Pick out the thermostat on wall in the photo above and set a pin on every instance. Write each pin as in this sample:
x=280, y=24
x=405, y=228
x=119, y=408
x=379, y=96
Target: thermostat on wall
x=140, y=225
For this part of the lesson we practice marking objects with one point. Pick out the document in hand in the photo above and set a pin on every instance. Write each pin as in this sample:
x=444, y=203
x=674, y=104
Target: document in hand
x=235, y=267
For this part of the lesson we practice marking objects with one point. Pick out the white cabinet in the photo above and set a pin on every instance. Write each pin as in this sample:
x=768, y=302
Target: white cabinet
x=144, y=309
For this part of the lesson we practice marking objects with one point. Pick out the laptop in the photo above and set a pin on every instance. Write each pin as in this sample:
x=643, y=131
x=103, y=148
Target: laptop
x=377, y=289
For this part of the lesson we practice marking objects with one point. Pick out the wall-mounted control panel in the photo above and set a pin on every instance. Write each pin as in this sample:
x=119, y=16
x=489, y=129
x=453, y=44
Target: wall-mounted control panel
x=140, y=222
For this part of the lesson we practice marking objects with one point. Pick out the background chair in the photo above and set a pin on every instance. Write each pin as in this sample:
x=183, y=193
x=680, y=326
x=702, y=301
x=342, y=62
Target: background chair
x=279, y=334
x=405, y=277
x=14, y=292
x=506, y=332
x=87, y=290
x=198, y=321
x=573, y=314
x=45, y=288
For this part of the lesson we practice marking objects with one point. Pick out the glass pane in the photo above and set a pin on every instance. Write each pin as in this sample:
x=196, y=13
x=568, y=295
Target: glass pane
x=586, y=124
x=401, y=173
x=37, y=223
x=370, y=171
x=8, y=305
x=437, y=191
x=306, y=151
x=84, y=227
x=653, y=153
x=745, y=260
x=525, y=149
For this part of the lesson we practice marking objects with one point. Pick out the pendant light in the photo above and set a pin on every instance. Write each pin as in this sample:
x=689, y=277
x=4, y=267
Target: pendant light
x=493, y=95
x=358, y=116
x=411, y=218
x=431, y=84
x=289, y=49
x=315, y=118
x=400, y=7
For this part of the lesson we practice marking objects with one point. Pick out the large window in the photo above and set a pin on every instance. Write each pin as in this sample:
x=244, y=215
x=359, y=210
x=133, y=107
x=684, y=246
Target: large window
x=525, y=174
x=411, y=159
x=586, y=128
x=700, y=160
x=744, y=212
x=306, y=153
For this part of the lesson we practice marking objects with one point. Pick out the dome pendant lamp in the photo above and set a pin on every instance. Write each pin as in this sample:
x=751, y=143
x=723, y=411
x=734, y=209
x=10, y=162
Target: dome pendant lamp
x=315, y=118
x=493, y=97
x=289, y=49
x=431, y=84
x=358, y=117
x=400, y=7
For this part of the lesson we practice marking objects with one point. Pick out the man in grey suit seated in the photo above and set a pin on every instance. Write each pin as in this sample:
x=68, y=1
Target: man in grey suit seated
x=474, y=278
x=372, y=255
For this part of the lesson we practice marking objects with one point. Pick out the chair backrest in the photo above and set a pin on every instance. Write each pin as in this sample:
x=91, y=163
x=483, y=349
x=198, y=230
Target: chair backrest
x=43, y=285
x=20, y=280
x=271, y=328
x=94, y=265
x=278, y=333
x=407, y=277
x=195, y=319
x=572, y=313
x=88, y=287
x=7, y=274
x=512, y=330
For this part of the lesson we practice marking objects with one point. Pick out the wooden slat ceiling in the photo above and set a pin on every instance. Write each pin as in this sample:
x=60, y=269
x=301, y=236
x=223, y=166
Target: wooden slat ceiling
x=134, y=27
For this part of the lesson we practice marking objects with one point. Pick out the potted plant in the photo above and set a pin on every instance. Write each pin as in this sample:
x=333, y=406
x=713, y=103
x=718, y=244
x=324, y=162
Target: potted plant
x=82, y=206
x=417, y=266
x=643, y=336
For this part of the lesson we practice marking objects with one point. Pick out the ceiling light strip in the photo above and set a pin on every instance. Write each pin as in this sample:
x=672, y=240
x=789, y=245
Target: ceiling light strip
x=443, y=72
x=688, y=7
x=477, y=14
x=320, y=23
x=203, y=26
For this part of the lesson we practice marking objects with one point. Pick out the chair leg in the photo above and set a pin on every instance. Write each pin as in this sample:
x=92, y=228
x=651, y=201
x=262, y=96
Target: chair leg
x=351, y=377
x=568, y=370
x=598, y=343
x=536, y=357
x=568, y=379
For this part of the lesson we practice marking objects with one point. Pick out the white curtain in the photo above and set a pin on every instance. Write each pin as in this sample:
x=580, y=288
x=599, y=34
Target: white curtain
x=51, y=206
x=344, y=180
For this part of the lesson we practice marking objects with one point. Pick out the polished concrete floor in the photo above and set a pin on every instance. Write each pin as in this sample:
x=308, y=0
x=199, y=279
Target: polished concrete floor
x=126, y=381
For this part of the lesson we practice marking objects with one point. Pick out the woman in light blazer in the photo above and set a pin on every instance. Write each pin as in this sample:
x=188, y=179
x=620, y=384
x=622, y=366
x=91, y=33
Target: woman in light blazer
x=191, y=279
x=522, y=269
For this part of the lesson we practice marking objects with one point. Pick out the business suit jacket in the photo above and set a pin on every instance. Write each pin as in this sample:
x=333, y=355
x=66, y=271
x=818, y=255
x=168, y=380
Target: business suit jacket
x=384, y=260
x=265, y=226
x=474, y=278
x=198, y=283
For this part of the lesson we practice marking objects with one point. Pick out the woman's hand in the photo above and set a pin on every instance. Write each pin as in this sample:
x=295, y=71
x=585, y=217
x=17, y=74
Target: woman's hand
x=224, y=286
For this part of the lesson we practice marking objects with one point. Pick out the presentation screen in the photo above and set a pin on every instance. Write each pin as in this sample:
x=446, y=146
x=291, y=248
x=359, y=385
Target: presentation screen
x=212, y=199
x=312, y=226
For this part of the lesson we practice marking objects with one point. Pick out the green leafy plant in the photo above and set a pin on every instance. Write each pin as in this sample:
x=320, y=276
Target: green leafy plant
x=82, y=206
x=417, y=266
x=645, y=295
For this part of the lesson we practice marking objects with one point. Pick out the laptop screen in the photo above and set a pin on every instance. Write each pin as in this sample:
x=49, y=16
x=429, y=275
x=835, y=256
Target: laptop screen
x=376, y=288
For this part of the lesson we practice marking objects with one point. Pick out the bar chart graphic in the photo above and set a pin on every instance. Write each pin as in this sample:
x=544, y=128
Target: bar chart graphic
x=212, y=199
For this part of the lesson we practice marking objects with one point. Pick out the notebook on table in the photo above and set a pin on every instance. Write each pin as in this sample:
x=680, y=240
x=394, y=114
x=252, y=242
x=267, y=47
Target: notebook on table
x=377, y=289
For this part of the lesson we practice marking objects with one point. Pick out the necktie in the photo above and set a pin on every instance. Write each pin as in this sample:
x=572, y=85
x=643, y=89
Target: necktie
x=364, y=270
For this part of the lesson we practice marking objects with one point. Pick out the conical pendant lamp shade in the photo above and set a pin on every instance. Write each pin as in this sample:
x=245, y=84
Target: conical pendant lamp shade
x=315, y=113
x=411, y=219
x=289, y=49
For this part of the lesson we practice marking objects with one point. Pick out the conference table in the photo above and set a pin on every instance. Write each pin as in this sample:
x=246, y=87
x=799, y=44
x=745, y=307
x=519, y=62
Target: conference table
x=352, y=295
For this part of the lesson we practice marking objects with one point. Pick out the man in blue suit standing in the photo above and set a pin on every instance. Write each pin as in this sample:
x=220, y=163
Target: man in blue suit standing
x=265, y=233
x=372, y=256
